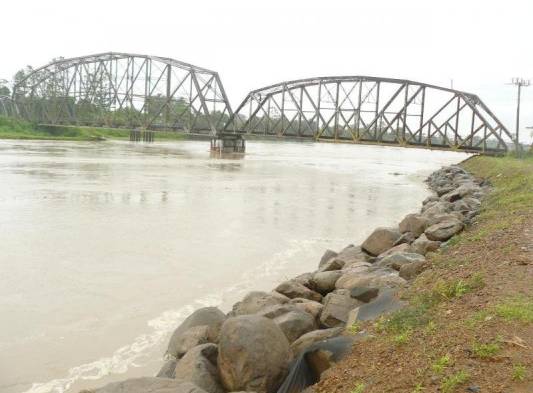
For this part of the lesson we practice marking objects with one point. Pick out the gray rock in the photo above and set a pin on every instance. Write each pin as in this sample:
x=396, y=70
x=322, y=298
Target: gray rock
x=414, y=223
x=313, y=337
x=336, y=309
x=304, y=279
x=324, y=282
x=406, y=238
x=276, y=310
x=295, y=323
x=308, y=306
x=292, y=290
x=352, y=254
x=444, y=230
x=404, y=247
x=253, y=354
x=397, y=260
x=385, y=303
x=381, y=277
x=423, y=245
x=254, y=302
x=209, y=317
x=168, y=369
x=461, y=192
x=380, y=240
x=199, y=367
x=411, y=270
x=364, y=294
x=332, y=264
x=432, y=209
x=326, y=257
x=149, y=385
x=431, y=198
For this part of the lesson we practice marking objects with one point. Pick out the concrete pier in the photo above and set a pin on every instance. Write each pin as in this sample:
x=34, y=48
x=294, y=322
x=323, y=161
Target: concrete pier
x=228, y=143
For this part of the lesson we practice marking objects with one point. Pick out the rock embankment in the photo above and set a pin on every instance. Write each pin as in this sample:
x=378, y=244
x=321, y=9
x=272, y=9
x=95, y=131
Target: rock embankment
x=281, y=341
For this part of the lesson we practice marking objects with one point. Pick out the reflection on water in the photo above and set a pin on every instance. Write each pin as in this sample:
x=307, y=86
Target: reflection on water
x=107, y=246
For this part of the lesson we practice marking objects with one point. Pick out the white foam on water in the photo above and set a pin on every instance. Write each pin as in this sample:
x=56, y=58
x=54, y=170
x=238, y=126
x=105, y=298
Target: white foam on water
x=132, y=355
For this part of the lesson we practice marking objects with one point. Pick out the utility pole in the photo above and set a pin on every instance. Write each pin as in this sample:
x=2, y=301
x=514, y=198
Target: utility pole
x=519, y=82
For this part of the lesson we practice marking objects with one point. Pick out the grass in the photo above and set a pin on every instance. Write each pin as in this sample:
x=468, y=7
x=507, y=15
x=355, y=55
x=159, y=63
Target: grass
x=517, y=309
x=451, y=383
x=519, y=372
x=485, y=351
x=441, y=363
x=359, y=388
x=354, y=328
x=19, y=129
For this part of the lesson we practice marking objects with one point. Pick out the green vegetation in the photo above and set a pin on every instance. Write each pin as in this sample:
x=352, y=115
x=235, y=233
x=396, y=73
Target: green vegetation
x=484, y=351
x=519, y=372
x=359, y=388
x=19, y=129
x=354, y=328
x=418, y=388
x=441, y=363
x=452, y=382
x=517, y=309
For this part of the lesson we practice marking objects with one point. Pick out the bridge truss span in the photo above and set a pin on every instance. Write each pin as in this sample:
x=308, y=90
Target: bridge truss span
x=364, y=109
x=124, y=90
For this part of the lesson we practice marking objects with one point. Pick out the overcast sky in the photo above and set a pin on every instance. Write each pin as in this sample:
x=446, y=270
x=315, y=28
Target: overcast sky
x=480, y=44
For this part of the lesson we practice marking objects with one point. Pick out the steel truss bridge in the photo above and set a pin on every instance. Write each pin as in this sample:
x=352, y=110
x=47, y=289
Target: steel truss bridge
x=124, y=90
x=156, y=93
x=364, y=109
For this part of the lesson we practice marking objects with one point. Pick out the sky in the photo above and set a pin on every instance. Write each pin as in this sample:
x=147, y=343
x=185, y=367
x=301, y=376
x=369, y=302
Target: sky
x=479, y=44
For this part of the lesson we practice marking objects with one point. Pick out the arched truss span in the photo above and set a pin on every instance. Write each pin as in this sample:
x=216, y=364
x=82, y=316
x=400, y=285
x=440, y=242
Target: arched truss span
x=124, y=90
x=371, y=110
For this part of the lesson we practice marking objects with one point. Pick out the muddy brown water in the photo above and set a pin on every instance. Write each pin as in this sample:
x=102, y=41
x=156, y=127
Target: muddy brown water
x=106, y=247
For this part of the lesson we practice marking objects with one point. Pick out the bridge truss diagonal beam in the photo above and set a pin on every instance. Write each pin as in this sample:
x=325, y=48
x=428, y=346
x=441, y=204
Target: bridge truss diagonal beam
x=124, y=90
x=365, y=109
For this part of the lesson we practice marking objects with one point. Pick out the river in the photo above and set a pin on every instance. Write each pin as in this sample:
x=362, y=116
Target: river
x=106, y=247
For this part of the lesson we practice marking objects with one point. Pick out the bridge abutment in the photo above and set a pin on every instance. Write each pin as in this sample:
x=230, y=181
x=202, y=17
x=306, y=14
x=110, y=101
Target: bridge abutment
x=228, y=143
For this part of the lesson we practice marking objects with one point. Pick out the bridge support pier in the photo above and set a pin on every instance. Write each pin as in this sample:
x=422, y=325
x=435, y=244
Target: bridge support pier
x=228, y=143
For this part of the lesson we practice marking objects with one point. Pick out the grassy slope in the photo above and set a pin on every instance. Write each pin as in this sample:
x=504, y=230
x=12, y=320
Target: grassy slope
x=19, y=129
x=470, y=323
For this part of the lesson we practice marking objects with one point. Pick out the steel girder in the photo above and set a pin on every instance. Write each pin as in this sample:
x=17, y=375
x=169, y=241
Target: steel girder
x=366, y=109
x=124, y=90
x=8, y=107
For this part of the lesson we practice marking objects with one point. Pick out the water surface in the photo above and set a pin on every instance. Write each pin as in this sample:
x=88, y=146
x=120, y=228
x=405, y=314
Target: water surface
x=105, y=247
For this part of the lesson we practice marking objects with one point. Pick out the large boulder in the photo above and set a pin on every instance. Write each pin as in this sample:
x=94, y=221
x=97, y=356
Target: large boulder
x=276, y=310
x=148, y=385
x=461, y=191
x=403, y=247
x=255, y=301
x=200, y=327
x=385, y=303
x=414, y=223
x=336, y=309
x=293, y=289
x=324, y=282
x=168, y=370
x=313, y=337
x=326, y=257
x=411, y=270
x=397, y=260
x=434, y=208
x=423, y=245
x=199, y=366
x=380, y=277
x=380, y=240
x=295, y=323
x=352, y=254
x=364, y=294
x=308, y=306
x=253, y=354
x=444, y=229
x=332, y=264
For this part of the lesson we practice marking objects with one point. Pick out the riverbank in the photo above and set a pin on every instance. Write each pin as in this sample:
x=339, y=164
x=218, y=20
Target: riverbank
x=475, y=338
x=19, y=129
x=353, y=298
